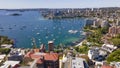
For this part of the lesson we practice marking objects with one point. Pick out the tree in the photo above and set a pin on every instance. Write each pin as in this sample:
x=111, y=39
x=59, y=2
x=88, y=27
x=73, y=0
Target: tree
x=104, y=30
x=82, y=49
x=116, y=41
x=5, y=40
x=4, y=50
x=115, y=56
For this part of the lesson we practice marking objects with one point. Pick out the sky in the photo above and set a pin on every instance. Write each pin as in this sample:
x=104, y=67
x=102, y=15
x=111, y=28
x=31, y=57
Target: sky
x=16, y=4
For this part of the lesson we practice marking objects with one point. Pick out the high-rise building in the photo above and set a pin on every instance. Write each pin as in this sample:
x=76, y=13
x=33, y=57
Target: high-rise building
x=114, y=30
x=118, y=30
x=118, y=22
x=50, y=45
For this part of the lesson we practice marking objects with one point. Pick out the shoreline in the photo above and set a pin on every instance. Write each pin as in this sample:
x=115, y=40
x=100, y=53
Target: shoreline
x=80, y=44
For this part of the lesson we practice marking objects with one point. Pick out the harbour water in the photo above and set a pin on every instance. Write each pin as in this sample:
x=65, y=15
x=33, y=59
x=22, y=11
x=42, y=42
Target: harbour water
x=32, y=25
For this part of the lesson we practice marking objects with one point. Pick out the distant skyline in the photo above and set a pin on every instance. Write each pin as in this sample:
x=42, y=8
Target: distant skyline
x=17, y=4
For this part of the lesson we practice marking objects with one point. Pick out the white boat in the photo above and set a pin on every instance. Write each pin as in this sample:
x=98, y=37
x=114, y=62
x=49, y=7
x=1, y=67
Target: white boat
x=52, y=35
x=38, y=33
x=73, y=31
x=53, y=39
x=46, y=37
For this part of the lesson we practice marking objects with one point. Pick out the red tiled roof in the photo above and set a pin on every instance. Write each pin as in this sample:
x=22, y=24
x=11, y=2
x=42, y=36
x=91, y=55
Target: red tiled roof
x=35, y=56
x=51, y=56
x=106, y=66
x=47, y=56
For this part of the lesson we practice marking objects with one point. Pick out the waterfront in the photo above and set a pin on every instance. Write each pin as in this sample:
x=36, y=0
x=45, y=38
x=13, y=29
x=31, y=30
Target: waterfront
x=31, y=24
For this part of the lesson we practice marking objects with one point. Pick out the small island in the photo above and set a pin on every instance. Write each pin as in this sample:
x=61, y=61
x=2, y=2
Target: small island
x=14, y=14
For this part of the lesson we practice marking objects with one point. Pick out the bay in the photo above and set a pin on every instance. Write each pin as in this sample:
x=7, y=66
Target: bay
x=31, y=24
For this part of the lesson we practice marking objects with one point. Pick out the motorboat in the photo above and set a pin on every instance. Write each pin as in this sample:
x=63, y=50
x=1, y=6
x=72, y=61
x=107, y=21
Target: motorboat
x=37, y=33
x=73, y=31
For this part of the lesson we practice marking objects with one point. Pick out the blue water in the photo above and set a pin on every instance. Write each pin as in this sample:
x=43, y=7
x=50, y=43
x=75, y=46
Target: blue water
x=31, y=24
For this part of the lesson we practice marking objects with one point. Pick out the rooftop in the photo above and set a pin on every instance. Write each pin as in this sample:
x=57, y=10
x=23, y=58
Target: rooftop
x=16, y=52
x=78, y=62
x=45, y=56
x=10, y=63
x=6, y=46
x=2, y=56
x=117, y=64
x=106, y=66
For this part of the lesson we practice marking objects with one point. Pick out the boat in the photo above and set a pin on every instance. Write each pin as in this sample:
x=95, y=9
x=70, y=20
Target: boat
x=73, y=31
x=1, y=27
x=52, y=35
x=13, y=14
x=53, y=39
x=1, y=30
x=54, y=27
x=21, y=28
x=24, y=26
x=46, y=37
x=10, y=28
x=59, y=32
x=15, y=25
x=59, y=29
x=39, y=39
x=37, y=33
x=45, y=28
x=35, y=28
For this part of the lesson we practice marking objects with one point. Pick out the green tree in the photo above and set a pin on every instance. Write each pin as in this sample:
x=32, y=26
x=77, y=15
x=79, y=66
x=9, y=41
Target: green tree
x=4, y=50
x=82, y=49
x=115, y=56
x=5, y=40
x=116, y=41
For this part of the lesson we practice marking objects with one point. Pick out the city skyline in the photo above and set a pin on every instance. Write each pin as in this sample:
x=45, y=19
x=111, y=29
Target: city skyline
x=16, y=4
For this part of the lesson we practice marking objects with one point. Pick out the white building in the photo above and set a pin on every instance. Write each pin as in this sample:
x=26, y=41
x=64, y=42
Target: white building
x=93, y=52
x=6, y=46
x=78, y=63
x=2, y=57
x=117, y=65
x=108, y=47
x=16, y=54
x=10, y=64
x=72, y=62
x=96, y=53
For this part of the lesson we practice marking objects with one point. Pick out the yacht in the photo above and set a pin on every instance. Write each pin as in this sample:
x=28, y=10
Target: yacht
x=73, y=31
x=37, y=33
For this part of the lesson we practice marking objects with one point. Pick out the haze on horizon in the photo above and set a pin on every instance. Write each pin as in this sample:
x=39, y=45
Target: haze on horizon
x=16, y=4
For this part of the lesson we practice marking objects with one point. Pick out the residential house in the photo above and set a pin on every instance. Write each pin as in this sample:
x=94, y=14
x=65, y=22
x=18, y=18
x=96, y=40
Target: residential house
x=16, y=54
x=43, y=60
